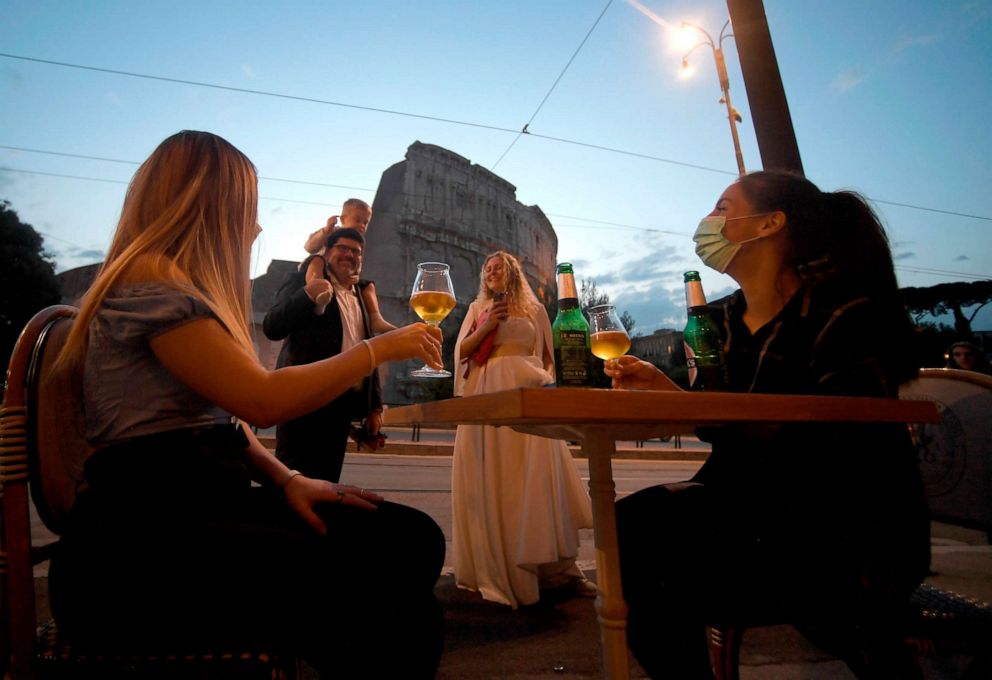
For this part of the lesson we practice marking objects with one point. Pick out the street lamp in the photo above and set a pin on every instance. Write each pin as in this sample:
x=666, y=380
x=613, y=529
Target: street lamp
x=721, y=70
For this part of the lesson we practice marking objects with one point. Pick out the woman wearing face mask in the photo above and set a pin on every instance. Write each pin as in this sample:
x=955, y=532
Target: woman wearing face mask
x=785, y=521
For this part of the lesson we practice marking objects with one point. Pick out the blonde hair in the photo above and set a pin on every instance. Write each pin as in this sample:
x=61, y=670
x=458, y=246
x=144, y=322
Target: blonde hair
x=355, y=203
x=190, y=216
x=521, y=298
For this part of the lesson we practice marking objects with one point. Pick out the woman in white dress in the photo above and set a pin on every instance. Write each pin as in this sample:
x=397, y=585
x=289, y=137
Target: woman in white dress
x=517, y=500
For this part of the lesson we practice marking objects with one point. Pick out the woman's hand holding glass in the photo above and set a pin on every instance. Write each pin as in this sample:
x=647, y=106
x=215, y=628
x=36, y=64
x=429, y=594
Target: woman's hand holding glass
x=416, y=341
x=432, y=298
x=630, y=373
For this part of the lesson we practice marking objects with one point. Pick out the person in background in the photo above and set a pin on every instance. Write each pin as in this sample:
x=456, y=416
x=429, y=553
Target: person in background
x=322, y=319
x=169, y=545
x=786, y=522
x=966, y=356
x=517, y=500
x=355, y=214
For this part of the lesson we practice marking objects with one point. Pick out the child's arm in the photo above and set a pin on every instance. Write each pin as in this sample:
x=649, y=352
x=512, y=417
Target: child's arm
x=378, y=324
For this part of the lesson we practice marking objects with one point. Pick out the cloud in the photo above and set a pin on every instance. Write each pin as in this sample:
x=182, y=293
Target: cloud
x=95, y=255
x=856, y=75
x=7, y=180
x=248, y=71
x=113, y=98
x=12, y=77
x=653, y=308
x=580, y=265
x=961, y=258
x=607, y=279
x=848, y=79
x=909, y=255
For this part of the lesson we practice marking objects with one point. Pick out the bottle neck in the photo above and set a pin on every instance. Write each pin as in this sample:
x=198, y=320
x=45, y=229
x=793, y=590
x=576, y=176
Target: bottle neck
x=566, y=287
x=694, y=296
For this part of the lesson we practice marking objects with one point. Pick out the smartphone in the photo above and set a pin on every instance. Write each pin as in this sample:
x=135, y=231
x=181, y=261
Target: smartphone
x=499, y=296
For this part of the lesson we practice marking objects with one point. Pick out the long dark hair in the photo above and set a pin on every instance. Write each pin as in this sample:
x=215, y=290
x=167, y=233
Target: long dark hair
x=838, y=242
x=834, y=235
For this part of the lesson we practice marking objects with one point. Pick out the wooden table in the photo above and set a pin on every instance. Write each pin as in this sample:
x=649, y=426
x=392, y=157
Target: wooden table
x=597, y=418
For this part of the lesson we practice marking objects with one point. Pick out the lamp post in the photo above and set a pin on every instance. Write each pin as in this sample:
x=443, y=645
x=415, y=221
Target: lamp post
x=721, y=71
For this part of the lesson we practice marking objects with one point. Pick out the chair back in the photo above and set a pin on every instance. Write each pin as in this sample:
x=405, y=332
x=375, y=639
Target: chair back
x=56, y=428
x=30, y=406
x=956, y=454
x=42, y=446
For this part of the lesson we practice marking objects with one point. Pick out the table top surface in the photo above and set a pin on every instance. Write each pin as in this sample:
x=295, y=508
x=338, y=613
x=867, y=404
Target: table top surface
x=551, y=405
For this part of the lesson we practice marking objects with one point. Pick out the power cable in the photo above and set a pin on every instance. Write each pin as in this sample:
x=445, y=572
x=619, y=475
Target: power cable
x=354, y=188
x=314, y=100
x=595, y=224
x=121, y=181
x=524, y=130
x=245, y=90
x=118, y=160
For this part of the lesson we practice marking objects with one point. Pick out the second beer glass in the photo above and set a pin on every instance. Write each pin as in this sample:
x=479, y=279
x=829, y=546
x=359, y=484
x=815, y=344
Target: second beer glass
x=607, y=334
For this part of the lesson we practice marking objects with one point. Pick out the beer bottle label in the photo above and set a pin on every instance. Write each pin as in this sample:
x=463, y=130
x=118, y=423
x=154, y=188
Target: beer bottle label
x=572, y=359
x=690, y=360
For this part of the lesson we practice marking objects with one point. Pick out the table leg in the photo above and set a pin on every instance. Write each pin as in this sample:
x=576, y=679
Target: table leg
x=599, y=448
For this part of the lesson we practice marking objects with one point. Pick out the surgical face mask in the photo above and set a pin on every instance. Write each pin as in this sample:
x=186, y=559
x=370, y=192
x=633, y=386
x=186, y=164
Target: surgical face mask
x=712, y=246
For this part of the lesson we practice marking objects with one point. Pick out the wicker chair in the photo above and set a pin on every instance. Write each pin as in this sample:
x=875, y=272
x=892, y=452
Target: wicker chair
x=956, y=462
x=41, y=445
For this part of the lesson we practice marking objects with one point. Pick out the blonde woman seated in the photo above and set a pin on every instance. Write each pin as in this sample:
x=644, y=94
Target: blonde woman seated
x=517, y=500
x=169, y=543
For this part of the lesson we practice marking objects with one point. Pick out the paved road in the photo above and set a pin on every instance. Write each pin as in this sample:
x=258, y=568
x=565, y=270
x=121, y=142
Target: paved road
x=424, y=482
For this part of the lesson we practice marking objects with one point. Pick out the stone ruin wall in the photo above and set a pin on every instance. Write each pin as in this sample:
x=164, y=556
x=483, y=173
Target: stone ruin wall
x=436, y=206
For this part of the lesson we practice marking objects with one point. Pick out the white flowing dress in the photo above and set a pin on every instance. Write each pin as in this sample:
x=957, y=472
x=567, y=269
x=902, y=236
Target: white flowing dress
x=517, y=500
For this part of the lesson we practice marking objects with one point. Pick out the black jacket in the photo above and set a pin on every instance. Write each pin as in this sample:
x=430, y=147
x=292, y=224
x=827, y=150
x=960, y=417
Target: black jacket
x=854, y=486
x=309, y=337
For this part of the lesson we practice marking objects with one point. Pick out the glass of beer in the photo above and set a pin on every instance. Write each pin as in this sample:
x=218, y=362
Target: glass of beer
x=607, y=335
x=432, y=299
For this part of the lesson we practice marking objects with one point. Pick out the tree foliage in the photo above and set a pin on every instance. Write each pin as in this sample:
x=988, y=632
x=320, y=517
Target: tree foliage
x=27, y=277
x=961, y=299
x=590, y=296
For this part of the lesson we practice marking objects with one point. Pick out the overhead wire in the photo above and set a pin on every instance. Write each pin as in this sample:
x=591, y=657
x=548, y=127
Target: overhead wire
x=593, y=223
x=314, y=100
x=940, y=211
x=524, y=129
x=122, y=181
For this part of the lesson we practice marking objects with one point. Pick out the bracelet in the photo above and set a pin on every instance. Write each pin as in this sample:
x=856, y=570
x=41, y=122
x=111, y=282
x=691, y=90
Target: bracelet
x=371, y=353
x=292, y=474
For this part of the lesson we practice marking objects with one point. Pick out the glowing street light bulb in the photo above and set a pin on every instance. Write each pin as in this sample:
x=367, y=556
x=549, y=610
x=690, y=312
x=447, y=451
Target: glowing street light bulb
x=683, y=38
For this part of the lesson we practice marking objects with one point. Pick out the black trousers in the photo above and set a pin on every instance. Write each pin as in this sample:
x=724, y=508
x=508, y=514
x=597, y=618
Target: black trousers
x=315, y=443
x=692, y=556
x=170, y=547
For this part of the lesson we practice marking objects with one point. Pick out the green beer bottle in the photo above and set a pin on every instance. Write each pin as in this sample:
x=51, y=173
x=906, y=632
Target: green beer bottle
x=701, y=338
x=570, y=332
